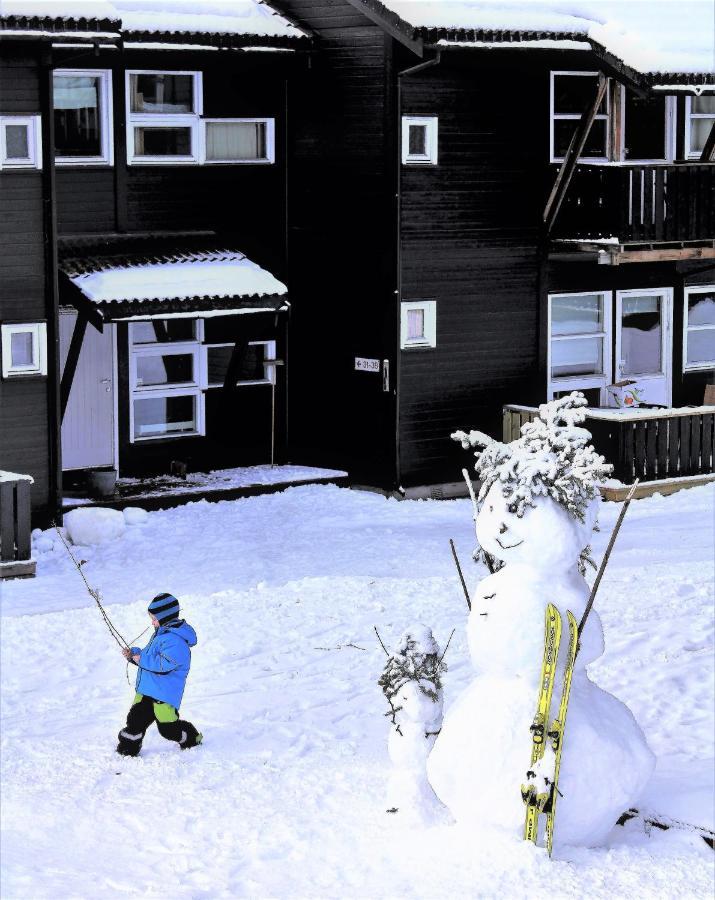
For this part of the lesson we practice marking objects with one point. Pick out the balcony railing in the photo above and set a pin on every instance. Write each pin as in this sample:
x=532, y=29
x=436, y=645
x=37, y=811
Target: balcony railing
x=640, y=203
x=15, y=537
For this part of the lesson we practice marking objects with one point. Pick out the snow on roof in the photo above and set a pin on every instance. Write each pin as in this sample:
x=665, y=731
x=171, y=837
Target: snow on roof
x=648, y=35
x=233, y=275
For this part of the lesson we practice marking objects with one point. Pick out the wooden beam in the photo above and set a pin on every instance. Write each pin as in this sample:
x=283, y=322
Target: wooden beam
x=73, y=296
x=708, y=154
x=80, y=327
x=575, y=149
x=391, y=23
x=616, y=68
x=673, y=254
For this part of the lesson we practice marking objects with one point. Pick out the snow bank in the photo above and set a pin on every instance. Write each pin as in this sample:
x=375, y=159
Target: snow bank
x=134, y=515
x=92, y=525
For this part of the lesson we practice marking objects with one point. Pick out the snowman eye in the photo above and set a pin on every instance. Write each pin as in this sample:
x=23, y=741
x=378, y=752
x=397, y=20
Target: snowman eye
x=491, y=509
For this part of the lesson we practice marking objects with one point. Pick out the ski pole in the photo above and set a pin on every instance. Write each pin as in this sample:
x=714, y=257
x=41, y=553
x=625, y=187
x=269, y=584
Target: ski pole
x=606, y=556
x=461, y=577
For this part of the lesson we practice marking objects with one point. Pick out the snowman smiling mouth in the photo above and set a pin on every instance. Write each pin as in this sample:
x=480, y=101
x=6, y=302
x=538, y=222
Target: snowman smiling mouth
x=509, y=546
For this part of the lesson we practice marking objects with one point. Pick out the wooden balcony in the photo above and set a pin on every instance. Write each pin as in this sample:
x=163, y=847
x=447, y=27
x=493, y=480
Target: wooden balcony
x=640, y=203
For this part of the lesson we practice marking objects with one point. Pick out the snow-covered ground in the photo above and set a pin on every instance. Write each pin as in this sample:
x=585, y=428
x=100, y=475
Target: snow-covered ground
x=286, y=797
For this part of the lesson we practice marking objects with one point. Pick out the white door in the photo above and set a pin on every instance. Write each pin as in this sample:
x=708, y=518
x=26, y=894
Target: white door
x=644, y=343
x=88, y=424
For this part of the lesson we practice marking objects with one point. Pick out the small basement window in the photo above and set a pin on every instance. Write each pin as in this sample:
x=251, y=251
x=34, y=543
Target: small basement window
x=239, y=140
x=163, y=117
x=82, y=101
x=419, y=140
x=20, y=142
x=699, y=118
x=418, y=324
x=24, y=349
x=699, y=328
x=571, y=94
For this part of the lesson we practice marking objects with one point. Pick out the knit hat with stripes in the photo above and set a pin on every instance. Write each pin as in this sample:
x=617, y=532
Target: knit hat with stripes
x=164, y=607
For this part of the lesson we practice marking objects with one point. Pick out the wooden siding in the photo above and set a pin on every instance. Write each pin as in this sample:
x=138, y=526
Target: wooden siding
x=24, y=435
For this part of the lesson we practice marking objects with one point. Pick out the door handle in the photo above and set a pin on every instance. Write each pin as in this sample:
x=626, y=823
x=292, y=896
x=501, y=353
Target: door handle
x=108, y=382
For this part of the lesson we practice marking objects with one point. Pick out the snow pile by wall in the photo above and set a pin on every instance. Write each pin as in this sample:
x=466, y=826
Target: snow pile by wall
x=91, y=525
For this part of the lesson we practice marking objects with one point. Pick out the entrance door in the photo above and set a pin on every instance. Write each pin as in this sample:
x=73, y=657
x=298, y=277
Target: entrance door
x=88, y=424
x=644, y=342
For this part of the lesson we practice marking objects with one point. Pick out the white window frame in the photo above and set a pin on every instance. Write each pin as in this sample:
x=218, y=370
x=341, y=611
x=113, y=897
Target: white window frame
x=554, y=116
x=710, y=364
x=429, y=308
x=34, y=142
x=689, y=116
x=269, y=368
x=583, y=382
x=669, y=126
x=106, y=114
x=270, y=157
x=38, y=330
x=431, y=126
x=165, y=120
x=195, y=388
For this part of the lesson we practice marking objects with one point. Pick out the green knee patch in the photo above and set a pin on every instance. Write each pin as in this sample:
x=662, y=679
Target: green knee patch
x=138, y=699
x=165, y=713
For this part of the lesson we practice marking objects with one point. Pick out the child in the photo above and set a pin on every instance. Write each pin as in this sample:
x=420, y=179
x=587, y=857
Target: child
x=163, y=668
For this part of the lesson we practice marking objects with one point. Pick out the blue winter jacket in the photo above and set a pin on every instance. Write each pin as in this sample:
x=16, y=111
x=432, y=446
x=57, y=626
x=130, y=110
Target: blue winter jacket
x=165, y=661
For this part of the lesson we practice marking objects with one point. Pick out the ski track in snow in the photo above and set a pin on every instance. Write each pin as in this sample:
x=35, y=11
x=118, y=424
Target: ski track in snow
x=286, y=797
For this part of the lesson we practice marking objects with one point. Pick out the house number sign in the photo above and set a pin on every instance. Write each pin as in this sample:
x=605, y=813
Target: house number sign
x=366, y=365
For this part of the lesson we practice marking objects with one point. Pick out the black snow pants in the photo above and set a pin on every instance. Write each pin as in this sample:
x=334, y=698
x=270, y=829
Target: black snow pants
x=146, y=710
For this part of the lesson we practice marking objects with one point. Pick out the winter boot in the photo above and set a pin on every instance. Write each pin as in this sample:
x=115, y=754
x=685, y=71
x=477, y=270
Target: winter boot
x=192, y=740
x=129, y=744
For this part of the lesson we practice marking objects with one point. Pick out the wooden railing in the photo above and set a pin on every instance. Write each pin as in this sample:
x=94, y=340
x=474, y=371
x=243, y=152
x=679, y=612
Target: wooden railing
x=640, y=203
x=648, y=444
x=15, y=529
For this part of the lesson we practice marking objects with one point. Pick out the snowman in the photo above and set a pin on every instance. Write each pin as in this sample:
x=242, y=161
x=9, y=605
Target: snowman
x=411, y=683
x=537, y=509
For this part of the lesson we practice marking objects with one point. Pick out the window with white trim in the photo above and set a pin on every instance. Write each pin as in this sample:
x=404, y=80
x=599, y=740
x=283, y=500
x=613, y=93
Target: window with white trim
x=255, y=365
x=82, y=105
x=699, y=328
x=20, y=142
x=579, y=353
x=163, y=110
x=165, y=379
x=699, y=118
x=419, y=140
x=418, y=324
x=24, y=349
x=571, y=94
x=238, y=140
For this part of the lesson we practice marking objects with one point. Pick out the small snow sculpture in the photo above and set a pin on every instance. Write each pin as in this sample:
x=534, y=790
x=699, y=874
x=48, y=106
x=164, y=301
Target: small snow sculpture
x=537, y=509
x=94, y=525
x=411, y=682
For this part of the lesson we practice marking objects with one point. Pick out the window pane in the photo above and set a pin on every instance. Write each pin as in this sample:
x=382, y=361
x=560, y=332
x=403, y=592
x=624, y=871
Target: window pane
x=583, y=356
x=575, y=93
x=415, y=324
x=251, y=368
x=164, y=331
x=699, y=131
x=703, y=105
x=644, y=127
x=577, y=315
x=162, y=141
x=596, y=142
x=236, y=140
x=17, y=145
x=417, y=140
x=160, y=369
x=218, y=359
x=701, y=346
x=701, y=308
x=77, y=119
x=164, y=415
x=21, y=345
x=162, y=93
x=641, y=337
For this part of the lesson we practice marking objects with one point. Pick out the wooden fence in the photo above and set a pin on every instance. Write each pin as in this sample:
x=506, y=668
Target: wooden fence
x=15, y=528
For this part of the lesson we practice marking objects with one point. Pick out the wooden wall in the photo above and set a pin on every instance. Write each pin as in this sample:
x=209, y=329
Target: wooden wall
x=24, y=434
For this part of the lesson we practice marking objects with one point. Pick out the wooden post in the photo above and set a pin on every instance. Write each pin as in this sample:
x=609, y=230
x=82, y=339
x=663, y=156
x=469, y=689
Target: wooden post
x=80, y=327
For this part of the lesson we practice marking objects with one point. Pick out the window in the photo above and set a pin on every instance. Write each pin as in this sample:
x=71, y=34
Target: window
x=571, y=94
x=579, y=342
x=20, y=142
x=419, y=140
x=24, y=349
x=83, y=115
x=165, y=379
x=163, y=117
x=255, y=365
x=647, y=132
x=699, y=118
x=418, y=324
x=239, y=140
x=699, y=328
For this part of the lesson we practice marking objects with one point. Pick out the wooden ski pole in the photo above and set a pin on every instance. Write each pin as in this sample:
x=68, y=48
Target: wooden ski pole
x=461, y=577
x=606, y=557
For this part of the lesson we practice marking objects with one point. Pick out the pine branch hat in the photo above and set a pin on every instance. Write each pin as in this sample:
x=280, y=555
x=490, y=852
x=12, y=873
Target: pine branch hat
x=164, y=608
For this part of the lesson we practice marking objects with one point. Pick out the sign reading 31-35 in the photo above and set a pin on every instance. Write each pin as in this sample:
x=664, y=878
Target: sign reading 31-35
x=366, y=365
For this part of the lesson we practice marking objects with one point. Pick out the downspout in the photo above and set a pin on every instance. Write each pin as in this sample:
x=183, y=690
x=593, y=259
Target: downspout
x=405, y=73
